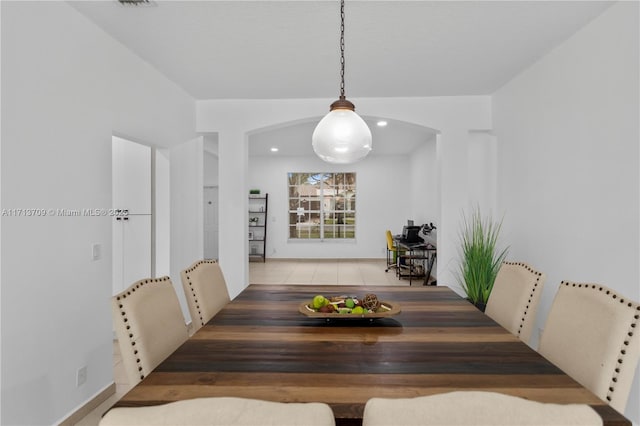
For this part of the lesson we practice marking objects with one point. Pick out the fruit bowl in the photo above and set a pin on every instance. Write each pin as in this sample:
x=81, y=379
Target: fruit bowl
x=348, y=307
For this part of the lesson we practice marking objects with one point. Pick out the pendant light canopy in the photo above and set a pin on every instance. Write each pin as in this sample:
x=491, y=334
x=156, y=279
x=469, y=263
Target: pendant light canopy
x=341, y=137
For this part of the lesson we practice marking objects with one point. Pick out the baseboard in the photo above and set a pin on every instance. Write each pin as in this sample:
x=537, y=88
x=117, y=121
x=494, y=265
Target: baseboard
x=89, y=406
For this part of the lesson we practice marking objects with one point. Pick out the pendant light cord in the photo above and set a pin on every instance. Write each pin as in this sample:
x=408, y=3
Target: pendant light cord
x=342, y=49
x=342, y=102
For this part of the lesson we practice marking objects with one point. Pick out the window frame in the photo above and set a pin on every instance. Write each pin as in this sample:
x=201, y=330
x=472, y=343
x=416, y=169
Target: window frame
x=332, y=205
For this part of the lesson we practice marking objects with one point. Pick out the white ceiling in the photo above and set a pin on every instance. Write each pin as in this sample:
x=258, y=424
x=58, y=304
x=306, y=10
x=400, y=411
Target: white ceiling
x=289, y=49
x=397, y=138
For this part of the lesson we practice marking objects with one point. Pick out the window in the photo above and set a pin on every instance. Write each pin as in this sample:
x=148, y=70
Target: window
x=322, y=206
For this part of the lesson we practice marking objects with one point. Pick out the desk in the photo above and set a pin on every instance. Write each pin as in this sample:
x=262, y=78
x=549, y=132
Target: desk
x=415, y=252
x=260, y=346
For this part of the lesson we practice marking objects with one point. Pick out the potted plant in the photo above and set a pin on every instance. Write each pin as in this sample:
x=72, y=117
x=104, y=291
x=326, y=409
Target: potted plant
x=480, y=258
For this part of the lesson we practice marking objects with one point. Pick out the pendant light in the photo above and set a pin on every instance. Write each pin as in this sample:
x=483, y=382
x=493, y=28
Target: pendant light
x=341, y=137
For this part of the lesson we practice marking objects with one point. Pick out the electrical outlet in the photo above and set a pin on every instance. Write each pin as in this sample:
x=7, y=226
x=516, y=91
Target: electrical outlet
x=81, y=376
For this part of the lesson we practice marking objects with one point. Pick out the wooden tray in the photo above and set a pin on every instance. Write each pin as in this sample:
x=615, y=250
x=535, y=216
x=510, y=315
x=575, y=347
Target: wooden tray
x=387, y=309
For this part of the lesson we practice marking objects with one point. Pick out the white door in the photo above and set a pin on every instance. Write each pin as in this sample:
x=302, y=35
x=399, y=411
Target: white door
x=131, y=176
x=210, y=223
x=131, y=185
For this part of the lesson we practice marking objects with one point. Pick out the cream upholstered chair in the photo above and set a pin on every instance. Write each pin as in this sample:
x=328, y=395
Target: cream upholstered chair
x=466, y=408
x=223, y=411
x=149, y=325
x=592, y=334
x=514, y=299
x=206, y=291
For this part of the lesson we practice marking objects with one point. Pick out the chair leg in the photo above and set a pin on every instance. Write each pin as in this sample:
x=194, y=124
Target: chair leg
x=391, y=259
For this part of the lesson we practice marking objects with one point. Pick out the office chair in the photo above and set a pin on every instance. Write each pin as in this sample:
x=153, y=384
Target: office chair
x=392, y=252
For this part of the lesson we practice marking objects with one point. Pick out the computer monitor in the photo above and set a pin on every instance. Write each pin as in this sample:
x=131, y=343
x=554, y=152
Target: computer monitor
x=411, y=234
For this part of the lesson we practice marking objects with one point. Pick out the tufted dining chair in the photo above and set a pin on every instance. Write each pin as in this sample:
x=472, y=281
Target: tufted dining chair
x=474, y=408
x=149, y=325
x=223, y=411
x=514, y=299
x=592, y=334
x=205, y=289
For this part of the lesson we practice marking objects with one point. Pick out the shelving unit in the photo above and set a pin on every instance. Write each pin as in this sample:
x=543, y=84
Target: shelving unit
x=416, y=262
x=258, y=207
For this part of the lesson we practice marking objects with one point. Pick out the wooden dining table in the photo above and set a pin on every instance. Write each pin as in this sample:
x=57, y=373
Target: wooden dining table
x=261, y=346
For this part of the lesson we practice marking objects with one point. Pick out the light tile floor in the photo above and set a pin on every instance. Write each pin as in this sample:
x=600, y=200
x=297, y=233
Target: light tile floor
x=278, y=271
x=331, y=271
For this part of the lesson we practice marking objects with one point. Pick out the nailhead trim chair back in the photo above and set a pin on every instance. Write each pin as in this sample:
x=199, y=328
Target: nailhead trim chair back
x=591, y=334
x=514, y=300
x=149, y=325
x=205, y=289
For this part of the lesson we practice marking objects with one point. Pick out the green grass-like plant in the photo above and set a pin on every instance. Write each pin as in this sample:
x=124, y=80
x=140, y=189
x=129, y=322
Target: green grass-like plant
x=480, y=259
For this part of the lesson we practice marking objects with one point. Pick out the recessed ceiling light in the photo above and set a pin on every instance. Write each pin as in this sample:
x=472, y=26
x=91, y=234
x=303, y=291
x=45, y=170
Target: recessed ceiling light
x=274, y=149
x=381, y=123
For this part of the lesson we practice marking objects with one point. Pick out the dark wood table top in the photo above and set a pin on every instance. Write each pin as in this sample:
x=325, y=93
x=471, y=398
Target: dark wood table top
x=261, y=346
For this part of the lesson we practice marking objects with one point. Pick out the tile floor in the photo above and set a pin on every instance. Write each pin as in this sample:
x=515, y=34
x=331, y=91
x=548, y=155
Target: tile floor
x=331, y=271
x=278, y=271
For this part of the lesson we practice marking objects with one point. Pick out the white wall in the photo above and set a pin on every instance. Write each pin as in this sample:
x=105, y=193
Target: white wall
x=66, y=88
x=1, y=206
x=567, y=134
x=210, y=169
x=162, y=213
x=210, y=144
x=235, y=120
x=187, y=226
x=482, y=177
x=383, y=194
x=424, y=180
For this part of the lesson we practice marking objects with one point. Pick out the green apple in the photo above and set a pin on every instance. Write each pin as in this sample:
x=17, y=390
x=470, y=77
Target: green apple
x=319, y=301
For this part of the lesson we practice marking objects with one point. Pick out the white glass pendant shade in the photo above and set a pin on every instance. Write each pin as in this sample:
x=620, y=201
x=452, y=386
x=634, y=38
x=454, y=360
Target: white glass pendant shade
x=341, y=137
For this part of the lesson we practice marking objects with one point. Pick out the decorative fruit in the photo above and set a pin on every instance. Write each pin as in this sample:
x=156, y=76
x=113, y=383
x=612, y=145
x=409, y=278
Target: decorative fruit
x=371, y=302
x=319, y=301
x=344, y=304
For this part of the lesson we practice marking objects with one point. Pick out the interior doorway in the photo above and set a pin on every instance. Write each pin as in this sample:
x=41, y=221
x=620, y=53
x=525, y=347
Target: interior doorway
x=132, y=221
x=210, y=196
x=210, y=222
